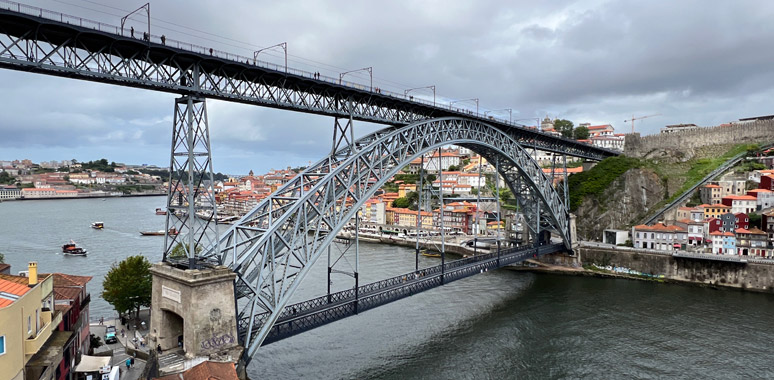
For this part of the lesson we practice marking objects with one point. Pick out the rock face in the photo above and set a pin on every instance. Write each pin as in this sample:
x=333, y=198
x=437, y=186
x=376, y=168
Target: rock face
x=626, y=201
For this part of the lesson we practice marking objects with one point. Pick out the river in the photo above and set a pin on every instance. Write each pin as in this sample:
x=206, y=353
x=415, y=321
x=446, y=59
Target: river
x=500, y=324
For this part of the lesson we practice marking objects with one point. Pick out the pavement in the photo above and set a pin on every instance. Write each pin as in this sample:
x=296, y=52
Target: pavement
x=119, y=348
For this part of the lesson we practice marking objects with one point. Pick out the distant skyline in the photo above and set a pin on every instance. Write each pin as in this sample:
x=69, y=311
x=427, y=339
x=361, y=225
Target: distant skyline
x=702, y=62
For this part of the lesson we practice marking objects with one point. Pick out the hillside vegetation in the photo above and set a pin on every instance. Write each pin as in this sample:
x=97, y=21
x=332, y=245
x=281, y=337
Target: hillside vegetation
x=619, y=191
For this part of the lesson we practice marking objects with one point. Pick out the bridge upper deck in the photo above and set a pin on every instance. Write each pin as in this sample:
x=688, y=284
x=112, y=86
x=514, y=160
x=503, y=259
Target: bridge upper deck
x=41, y=41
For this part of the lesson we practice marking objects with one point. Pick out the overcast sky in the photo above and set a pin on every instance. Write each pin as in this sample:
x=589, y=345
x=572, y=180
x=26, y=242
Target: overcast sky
x=703, y=62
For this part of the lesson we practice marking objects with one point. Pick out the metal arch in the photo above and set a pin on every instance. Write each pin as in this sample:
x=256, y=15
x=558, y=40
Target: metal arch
x=273, y=246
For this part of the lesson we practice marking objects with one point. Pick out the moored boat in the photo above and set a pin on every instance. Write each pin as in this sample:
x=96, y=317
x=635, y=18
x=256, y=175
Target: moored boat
x=172, y=231
x=425, y=253
x=160, y=211
x=72, y=249
x=98, y=225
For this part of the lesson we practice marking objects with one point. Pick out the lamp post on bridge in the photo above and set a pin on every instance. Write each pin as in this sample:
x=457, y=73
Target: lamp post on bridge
x=464, y=100
x=147, y=10
x=533, y=118
x=370, y=70
x=510, y=113
x=405, y=93
x=283, y=45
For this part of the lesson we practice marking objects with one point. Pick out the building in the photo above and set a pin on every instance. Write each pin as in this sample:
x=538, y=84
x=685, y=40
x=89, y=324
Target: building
x=767, y=182
x=27, y=321
x=763, y=198
x=679, y=128
x=444, y=161
x=751, y=242
x=740, y=203
x=695, y=229
x=615, y=237
x=660, y=236
x=613, y=142
x=710, y=194
x=714, y=210
x=723, y=243
x=9, y=192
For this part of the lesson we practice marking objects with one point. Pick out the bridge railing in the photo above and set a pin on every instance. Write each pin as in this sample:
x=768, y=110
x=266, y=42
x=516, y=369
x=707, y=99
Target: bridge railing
x=507, y=256
x=199, y=49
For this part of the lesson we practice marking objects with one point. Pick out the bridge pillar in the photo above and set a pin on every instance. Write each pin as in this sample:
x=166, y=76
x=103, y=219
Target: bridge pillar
x=194, y=309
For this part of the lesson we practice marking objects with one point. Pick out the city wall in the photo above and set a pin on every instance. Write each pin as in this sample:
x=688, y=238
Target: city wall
x=751, y=132
x=749, y=276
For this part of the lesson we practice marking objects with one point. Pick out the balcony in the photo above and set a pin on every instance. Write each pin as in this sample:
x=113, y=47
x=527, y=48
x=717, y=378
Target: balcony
x=49, y=322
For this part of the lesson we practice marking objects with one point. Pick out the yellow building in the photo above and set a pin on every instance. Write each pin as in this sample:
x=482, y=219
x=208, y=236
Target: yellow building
x=27, y=319
x=406, y=188
x=715, y=210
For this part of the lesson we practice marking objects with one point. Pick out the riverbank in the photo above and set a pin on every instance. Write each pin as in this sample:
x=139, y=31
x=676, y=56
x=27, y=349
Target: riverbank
x=87, y=197
x=649, y=266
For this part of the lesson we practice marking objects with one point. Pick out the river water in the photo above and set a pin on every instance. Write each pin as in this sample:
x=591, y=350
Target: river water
x=497, y=325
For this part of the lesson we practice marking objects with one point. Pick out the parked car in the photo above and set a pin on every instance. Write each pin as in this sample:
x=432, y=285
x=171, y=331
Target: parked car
x=110, y=335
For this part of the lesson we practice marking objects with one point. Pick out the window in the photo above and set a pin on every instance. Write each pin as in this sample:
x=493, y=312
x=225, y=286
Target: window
x=29, y=324
x=2, y=345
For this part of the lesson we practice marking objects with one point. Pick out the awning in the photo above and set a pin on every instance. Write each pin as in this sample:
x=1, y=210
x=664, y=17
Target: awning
x=92, y=363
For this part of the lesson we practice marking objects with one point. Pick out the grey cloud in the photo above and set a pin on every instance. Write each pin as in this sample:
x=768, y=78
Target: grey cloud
x=598, y=61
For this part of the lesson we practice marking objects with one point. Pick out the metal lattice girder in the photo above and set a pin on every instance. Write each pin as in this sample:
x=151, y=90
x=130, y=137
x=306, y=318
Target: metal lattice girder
x=191, y=208
x=98, y=52
x=274, y=245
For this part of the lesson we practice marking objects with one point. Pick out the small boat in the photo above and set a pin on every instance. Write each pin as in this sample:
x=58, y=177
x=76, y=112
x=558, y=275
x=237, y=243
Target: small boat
x=172, y=231
x=425, y=253
x=72, y=249
x=160, y=211
x=98, y=225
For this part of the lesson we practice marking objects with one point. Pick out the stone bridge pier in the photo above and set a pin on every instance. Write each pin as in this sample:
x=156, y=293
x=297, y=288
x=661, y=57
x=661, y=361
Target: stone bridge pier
x=194, y=309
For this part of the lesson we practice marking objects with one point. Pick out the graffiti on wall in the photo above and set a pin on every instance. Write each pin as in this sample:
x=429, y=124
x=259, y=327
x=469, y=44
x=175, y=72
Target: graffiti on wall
x=218, y=341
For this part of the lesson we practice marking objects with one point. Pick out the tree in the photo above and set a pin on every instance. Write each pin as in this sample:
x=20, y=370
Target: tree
x=179, y=251
x=128, y=285
x=755, y=220
x=400, y=203
x=565, y=127
x=94, y=342
x=2, y=258
x=581, y=133
x=454, y=168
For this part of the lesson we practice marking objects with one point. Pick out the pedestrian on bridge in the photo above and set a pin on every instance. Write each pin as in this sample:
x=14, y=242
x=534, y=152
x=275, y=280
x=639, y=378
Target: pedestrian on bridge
x=163, y=39
x=131, y=32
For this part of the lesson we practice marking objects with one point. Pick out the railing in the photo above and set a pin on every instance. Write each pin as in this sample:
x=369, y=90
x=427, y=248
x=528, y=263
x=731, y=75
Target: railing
x=727, y=165
x=321, y=310
x=33, y=345
x=157, y=41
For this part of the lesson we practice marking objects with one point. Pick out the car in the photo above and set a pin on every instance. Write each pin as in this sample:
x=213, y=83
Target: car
x=110, y=335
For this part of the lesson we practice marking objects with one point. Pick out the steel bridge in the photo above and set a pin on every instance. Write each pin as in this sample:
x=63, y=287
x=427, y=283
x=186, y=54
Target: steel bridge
x=273, y=247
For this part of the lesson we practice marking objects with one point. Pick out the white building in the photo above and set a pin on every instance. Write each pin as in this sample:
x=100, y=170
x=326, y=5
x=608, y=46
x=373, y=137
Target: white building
x=763, y=198
x=9, y=192
x=741, y=203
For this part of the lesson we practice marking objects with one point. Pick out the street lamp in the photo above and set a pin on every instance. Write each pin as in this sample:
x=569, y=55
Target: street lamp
x=510, y=113
x=464, y=100
x=405, y=93
x=533, y=118
x=147, y=10
x=283, y=45
x=370, y=73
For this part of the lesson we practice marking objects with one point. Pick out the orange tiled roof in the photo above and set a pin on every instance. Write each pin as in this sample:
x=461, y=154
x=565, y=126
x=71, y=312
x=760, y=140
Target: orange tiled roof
x=740, y=197
x=13, y=288
x=659, y=227
x=64, y=280
x=711, y=186
x=718, y=233
x=206, y=371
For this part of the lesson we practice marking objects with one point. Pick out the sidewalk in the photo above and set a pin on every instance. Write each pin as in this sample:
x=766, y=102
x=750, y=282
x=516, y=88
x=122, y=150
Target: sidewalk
x=126, y=341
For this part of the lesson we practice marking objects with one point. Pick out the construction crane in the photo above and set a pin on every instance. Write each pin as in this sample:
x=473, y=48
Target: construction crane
x=639, y=118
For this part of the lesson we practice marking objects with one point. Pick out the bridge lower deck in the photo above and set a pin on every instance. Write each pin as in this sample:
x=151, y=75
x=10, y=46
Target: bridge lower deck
x=307, y=315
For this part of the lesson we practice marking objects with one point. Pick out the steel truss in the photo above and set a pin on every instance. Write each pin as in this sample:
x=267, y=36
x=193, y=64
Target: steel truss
x=29, y=42
x=191, y=208
x=272, y=247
